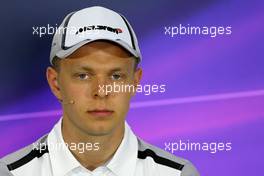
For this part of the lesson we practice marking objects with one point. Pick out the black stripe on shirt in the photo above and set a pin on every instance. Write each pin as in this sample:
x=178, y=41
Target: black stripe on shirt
x=30, y=156
x=160, y=160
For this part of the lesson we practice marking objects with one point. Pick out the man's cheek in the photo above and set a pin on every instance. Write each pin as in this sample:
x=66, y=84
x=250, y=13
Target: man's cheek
x=123, y=98
x=123, y=103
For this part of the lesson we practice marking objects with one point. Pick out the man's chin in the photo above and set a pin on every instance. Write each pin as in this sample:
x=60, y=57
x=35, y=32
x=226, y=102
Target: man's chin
x=99, y=129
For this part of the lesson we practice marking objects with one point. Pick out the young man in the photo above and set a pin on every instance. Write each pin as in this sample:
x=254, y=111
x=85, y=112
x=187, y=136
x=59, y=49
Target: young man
x=96, y=48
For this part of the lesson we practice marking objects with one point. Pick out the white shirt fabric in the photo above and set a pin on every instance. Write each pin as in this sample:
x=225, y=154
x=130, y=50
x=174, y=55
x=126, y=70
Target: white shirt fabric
x=63, y=162
x=134, y=157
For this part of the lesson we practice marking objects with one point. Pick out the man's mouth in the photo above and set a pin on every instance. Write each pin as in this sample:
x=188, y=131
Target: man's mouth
x=100, y=112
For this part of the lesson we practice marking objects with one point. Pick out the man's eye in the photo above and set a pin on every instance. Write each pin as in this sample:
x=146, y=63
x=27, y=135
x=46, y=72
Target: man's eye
x=116, y=76
x=83, y=76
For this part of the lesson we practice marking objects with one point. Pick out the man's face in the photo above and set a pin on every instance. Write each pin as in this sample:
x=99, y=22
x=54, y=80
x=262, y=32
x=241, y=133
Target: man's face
x=81, y=77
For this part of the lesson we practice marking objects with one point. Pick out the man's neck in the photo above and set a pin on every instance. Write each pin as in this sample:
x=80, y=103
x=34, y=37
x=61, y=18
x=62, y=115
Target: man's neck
x=91, y=159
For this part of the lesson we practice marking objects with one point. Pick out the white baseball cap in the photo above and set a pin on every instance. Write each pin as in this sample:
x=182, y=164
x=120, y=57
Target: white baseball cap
x=91, y=24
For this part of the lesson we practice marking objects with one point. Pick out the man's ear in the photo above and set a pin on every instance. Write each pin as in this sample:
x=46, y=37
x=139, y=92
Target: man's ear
x=137, y=78
x=52, y=78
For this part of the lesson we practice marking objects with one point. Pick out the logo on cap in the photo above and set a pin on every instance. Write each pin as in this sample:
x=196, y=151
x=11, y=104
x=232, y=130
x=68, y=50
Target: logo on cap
x=98, y=27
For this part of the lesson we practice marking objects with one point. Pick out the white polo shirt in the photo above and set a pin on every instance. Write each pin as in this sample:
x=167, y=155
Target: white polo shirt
x=134, y=157
x=64, y=163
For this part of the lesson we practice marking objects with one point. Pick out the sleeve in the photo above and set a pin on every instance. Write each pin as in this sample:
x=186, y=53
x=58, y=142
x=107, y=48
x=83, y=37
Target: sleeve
x=4, y=170
x=189, y=170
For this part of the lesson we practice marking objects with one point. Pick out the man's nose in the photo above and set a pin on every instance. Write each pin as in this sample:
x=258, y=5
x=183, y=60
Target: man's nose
x=100, y=88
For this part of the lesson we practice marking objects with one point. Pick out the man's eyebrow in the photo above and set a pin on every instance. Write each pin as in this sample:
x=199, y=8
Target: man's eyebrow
x=116, y=69
x=86, y=68
x=119, y=69
x=89, y=69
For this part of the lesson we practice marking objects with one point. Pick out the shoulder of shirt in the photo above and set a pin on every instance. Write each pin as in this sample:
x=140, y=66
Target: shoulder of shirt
x=164, y=158
x=23, y=156
x=145, y=150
